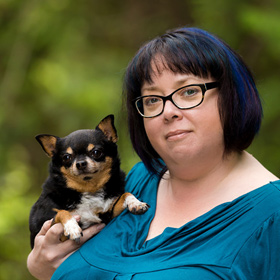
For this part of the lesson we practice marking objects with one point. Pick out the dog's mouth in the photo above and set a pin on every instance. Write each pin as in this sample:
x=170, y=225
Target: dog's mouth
x=88, y=177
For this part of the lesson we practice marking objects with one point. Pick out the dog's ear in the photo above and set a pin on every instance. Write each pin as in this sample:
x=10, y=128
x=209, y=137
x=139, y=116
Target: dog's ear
x=48, y=143
x=108, y=128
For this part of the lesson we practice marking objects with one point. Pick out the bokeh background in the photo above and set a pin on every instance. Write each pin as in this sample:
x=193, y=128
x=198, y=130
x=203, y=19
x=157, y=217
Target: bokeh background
x=61, y=68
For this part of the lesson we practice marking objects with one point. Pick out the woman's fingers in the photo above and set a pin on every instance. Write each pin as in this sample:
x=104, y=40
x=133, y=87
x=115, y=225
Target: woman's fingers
x=46, y=226
x=52, y=234
x=87, y=234
x=49, y=252
x=70, y=246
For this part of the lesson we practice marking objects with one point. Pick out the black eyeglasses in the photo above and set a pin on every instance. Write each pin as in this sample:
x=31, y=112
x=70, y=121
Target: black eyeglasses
x=186, y=97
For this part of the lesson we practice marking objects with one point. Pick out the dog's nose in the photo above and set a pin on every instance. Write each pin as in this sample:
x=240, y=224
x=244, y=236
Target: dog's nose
x=81, y=164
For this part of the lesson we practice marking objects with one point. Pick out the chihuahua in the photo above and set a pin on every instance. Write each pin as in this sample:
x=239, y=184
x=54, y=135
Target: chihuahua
x=85, y=179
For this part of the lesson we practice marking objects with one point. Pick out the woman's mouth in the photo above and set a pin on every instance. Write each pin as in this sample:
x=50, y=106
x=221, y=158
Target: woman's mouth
x=176, y=135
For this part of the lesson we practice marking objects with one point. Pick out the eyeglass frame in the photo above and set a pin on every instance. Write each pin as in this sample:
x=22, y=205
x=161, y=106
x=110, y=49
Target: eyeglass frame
x=204, y=87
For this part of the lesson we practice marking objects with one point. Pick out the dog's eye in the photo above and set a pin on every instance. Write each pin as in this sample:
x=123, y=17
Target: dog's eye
x=67, y=158
x=96, y=154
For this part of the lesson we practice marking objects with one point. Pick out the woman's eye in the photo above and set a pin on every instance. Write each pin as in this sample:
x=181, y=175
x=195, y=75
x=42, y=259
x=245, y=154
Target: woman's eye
x=190, y=91
x=150, y=101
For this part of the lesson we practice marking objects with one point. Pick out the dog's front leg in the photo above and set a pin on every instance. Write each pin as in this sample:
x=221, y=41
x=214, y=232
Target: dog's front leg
x=129, y=201
x=71, y=228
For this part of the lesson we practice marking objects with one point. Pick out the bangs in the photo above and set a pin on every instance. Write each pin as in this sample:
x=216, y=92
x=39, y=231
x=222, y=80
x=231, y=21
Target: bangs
x=178, y=54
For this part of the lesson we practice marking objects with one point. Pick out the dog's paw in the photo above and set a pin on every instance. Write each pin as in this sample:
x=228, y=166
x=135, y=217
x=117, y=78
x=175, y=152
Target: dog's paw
x=72, y=230
x=135, y=206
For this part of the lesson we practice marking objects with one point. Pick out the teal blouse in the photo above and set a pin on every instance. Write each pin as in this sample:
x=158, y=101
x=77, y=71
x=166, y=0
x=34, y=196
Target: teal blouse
x=235, y=240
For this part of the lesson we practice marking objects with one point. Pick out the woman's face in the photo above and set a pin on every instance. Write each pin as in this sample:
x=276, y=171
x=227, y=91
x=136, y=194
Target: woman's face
x=179, y=135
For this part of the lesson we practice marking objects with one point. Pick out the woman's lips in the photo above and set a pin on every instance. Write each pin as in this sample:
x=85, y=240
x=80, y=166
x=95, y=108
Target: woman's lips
x=176, y=135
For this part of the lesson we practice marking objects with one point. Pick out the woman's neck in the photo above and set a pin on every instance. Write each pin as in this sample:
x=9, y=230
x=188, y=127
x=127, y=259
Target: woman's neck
x=189, y=175
x=224, y=180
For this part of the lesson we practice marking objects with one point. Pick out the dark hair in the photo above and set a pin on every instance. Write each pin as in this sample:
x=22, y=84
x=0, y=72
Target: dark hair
x=195, y=51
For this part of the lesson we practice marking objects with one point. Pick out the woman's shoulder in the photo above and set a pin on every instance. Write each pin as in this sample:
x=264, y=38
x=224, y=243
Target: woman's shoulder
x=251, y=175
x=138, y=172
x=259, y=171
x=260, y=252
x=139, y=176
x=138, y=168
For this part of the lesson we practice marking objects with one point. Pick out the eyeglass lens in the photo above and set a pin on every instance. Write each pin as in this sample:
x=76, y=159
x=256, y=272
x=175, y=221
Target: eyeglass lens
x=183, y=98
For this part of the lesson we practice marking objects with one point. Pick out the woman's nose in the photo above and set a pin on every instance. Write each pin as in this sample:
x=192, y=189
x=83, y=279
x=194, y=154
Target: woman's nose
x=170, y=111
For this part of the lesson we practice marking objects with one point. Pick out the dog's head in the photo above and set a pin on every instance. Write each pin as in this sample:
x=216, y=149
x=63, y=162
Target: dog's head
x=84, y=158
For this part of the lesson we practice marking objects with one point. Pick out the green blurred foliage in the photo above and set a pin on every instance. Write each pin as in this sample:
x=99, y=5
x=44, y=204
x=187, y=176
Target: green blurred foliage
x=61, y=69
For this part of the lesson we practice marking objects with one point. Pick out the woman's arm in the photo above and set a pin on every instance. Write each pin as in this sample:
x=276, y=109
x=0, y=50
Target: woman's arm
x=49, y=252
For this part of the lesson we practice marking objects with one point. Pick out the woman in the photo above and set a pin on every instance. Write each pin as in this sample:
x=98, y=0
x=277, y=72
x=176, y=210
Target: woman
x=193, y=109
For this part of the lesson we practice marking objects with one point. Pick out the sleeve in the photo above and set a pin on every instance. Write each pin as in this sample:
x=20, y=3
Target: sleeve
x=259, y=258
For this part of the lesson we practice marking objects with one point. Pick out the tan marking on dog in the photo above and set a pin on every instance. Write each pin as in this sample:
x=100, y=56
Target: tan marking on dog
x=98, y=180
x=65, y=218
x=106, y=127
x=49, y=143
x=69, y=150
x=90, y=147
x=62, y=216
x=120, y=205
x=129, y=201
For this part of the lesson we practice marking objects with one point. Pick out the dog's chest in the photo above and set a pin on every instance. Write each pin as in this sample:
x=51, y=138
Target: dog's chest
x=91, y=206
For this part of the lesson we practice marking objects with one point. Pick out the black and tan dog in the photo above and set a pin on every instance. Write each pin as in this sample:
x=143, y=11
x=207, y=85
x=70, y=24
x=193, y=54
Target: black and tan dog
x=85, y=179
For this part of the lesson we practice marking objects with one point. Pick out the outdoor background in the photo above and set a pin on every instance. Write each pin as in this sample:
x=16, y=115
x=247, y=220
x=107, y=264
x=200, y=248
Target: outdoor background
x=61, y=69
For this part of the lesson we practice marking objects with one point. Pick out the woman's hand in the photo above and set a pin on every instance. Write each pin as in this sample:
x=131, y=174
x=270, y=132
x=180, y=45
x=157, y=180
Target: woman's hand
x=49, y=252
